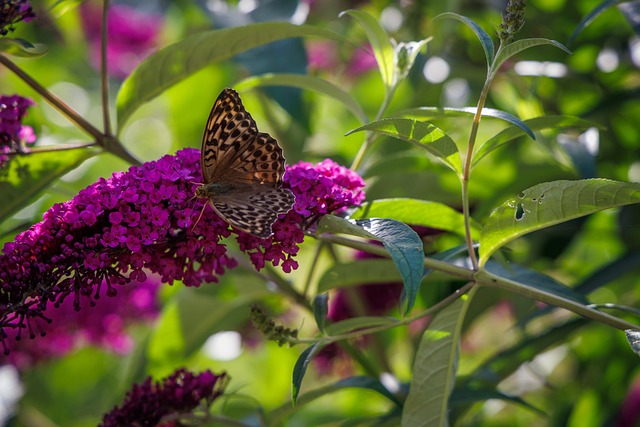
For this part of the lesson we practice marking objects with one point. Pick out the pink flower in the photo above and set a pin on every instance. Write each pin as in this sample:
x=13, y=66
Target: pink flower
x=132, y=36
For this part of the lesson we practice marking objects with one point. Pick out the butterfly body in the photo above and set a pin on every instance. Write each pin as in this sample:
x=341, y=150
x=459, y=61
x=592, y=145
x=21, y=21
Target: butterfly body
x=242, y=169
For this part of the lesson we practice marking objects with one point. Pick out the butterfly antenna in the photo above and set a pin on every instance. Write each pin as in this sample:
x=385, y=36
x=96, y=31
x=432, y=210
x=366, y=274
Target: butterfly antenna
x=199, y=216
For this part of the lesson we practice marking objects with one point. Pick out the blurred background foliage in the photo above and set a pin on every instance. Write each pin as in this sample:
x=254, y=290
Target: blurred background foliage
x=575, y=372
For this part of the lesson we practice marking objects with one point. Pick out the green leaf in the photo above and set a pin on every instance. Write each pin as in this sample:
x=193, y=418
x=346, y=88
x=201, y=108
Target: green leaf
x=435, y=367
x=417, y=212
x=424, y=135
x=176, y=62
x=27, y=176
x=380, y=43
x=433, y=112
x=604, y=5
x=277, y=416
x=485, y=40
x=22, y=48
x=300, y=369
x=535, y=280
x=472, y=395
x=309, y=83
x=551, y=203
x=402, y=243
x=320, y=309
x=356, y=323
x=518, y=46
x=514, y=132
x=359, y=272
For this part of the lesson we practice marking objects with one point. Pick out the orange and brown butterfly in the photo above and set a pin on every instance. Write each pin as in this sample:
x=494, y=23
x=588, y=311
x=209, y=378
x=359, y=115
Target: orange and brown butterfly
x=242, y=169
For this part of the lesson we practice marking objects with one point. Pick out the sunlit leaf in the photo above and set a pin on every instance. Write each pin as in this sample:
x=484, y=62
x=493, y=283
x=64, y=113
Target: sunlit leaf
x=22, y=48
x=425, y=135
x=402, y=243
x=176, y=62
x=27, y=176
x=539, y=123
x=417, y=212
x=306, y=82
x=518, y=46
x=356, y=323
x=434, y=369
x=359, y=272
x=483, y=37
x=380, y=43
x=551, y=203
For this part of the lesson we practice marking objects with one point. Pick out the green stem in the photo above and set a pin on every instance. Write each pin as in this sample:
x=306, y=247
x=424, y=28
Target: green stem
x=52, y=148
x=104, y=79
x=312, y=269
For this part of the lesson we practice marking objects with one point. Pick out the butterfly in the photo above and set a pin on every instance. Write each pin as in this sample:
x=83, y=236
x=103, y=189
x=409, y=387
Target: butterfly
x=242, y=169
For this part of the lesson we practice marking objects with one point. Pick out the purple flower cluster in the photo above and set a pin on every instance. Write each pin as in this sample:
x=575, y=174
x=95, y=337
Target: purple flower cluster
x=162, y=403
x=104, y=325
x=12, y=12
x=13, y=134
x=119, y=229
x=133, y=35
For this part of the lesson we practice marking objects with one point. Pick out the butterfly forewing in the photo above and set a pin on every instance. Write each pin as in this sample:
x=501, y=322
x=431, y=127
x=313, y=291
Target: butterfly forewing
x=244, y=167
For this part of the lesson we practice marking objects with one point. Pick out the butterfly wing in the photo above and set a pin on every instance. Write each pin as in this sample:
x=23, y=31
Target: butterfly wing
x=254, y=213
x=234, y=151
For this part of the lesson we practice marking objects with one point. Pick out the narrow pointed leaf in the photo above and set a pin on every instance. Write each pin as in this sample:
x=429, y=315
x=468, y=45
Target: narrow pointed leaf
x=176, y=62
x=379, y=40
x=300, y=369
x=551, y=203
x=485, y=40
x=514, y=132
x=402, y=243
x=306, y=82
x=422, y=134
x=320, y=309
x=588, y=19
x=22, y=48
x=434, y=369
x=518, y=46
x=423, y=113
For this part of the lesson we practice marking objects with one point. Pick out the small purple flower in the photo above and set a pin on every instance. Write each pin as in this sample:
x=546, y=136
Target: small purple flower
x=155, y=404
x=13, y=134
x=361, y=62
x=133, y=35
x=103, y=325
x=12, y=12
x=142, y=221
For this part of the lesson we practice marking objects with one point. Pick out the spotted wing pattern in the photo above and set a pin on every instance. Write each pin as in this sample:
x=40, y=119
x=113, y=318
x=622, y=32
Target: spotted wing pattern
x=248, y=163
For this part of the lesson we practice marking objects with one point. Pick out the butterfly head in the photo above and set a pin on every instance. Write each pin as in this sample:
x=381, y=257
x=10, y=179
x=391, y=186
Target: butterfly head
x=202, y=192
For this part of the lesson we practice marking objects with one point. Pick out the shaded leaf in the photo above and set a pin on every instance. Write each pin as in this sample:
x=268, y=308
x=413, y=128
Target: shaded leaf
x=320, y=309
x=434, y=369
x=601, y=7
x=422, y=134
x=402, y=243
x=483, y=37
x=176, y=62
x=301, y=368
x=551, y=203
x=472, y=395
